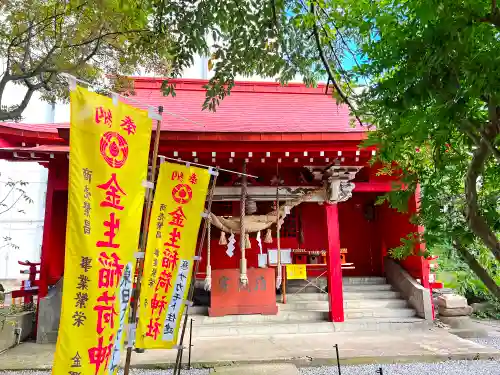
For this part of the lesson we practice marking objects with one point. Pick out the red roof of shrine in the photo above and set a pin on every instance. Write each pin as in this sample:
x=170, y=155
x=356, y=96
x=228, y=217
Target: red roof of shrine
x=252, y=107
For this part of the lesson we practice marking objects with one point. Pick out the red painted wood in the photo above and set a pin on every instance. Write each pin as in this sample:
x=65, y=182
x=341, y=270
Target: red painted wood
x=5, y=143
x=359, y=236
x=47, y=229
x=312, y=214
x=229, y=298
x=379, y=187
x=266, y=137
x=54, y=233
x=335, y=290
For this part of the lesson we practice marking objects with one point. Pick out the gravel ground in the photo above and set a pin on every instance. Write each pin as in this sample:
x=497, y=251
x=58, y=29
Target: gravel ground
x=443, y=368
x=491, y=341
x=132, y=372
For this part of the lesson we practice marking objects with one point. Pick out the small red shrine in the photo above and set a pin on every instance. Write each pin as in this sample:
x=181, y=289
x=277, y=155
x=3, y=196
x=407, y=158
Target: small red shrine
x=296, y=140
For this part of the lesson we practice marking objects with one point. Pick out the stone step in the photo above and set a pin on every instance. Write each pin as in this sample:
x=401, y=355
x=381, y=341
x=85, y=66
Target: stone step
x=306, y=297
x=348, y=304
x=384, y=294
x=375, y=303
x=346, y=288
x=303, y=289
x=363, y=280
x=366, y=287
x=356, y=313
x=322, y=281
x=351, y=313
x=304, y=305
x=296, y=327
x=282, y=316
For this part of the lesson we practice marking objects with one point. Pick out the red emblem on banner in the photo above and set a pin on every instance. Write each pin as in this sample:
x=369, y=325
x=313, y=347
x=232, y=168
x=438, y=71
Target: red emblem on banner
x=182, y=193
x=114, y=149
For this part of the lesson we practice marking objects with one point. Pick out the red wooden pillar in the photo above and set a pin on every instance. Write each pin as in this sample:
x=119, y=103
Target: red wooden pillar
x=47, y=230
x=334, y=274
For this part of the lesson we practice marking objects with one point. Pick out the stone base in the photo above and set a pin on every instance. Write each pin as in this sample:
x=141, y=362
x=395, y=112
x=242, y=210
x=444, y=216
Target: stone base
x=49, y=314
x=452, y=301
x=16, y=328
x=459, y=311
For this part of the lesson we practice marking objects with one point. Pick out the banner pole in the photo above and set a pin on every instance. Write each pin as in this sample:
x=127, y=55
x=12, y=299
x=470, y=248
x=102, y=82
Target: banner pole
x=145, y=225
x=178, y=360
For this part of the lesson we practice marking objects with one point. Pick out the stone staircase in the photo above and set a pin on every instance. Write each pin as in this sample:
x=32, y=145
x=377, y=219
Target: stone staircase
x=370, y=304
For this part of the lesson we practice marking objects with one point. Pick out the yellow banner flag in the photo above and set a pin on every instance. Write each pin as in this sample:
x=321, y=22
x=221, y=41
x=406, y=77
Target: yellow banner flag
x=173, y=231
x=296, y=272
x=109, y=147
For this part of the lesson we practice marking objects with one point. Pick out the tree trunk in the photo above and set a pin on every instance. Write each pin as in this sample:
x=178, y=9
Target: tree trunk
x=475, y=221
x=478, y=269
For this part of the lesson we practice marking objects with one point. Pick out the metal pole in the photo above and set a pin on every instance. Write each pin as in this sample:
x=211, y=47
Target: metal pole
x=338, y=358
x=178, y=360
x=190, y=343
x=145, y=225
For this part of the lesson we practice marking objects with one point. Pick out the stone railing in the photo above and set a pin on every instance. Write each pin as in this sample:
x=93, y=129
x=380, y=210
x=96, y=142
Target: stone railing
x=417, y=296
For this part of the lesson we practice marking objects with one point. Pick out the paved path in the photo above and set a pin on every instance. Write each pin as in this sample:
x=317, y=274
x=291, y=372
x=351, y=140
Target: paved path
x=310, y=349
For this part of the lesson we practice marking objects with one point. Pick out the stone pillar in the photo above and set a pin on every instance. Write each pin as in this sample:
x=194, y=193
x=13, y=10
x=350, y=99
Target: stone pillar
x=334, y=271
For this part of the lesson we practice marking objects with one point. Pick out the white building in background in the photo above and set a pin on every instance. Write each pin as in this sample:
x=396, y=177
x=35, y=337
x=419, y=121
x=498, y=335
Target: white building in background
x=21, y=221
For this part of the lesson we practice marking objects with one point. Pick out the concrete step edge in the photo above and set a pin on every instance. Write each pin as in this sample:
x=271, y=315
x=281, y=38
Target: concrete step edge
x=384, y=319
x=281, y=317
x=295, y=327
x=389, y=294
x=381, y=309
x=364, y=280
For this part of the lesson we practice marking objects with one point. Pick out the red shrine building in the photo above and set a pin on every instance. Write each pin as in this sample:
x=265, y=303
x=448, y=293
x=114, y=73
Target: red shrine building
x=300, y=145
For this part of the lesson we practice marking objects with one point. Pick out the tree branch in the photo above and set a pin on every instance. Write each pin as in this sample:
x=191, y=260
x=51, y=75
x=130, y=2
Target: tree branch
x=476, y=267
x=8, y=193
x=47, y=19
x=495, y=151
x=476, y=222
x=468, y=127
x=12, y=205
x=346, y=45
x=27, y=47
x=17, y=112
x=329, y=70
x=101, y=36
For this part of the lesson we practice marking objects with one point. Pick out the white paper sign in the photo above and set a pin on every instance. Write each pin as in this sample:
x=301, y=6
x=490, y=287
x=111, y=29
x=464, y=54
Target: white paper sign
x=286, y=256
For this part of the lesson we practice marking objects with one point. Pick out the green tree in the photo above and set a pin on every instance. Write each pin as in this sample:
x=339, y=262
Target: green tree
x=430, y=75
x=40, y=39
x=434, y=98
x=275, y=39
